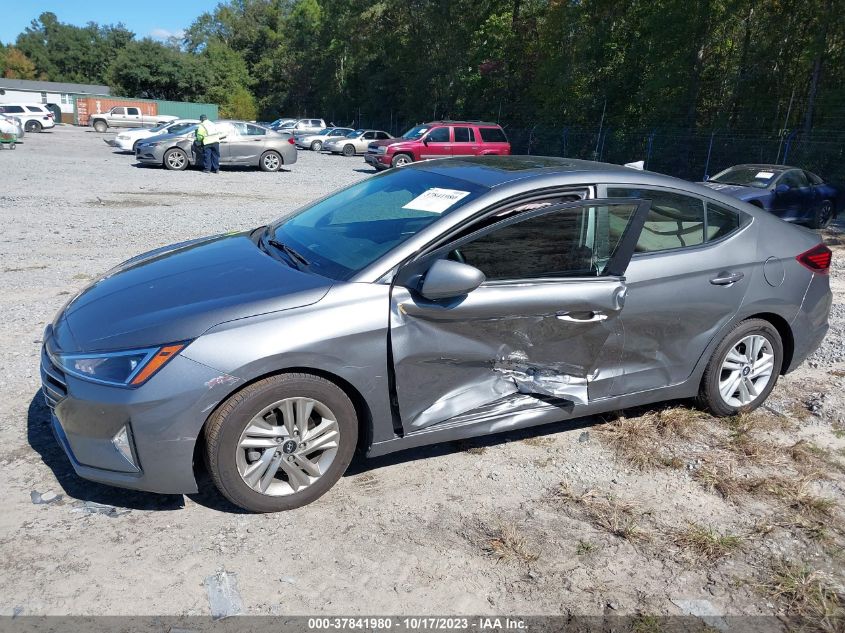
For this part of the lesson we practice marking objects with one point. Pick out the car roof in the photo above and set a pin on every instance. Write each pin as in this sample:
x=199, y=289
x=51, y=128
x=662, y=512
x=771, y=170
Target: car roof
x=766, y=166
x=462, y=122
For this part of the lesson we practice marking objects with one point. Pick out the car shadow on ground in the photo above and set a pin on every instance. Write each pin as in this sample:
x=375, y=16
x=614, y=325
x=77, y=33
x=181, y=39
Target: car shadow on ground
x=223, y=170
x=366, y=171
x=40, y=437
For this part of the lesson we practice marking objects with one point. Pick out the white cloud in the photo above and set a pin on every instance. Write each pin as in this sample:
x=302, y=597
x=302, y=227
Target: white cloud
x=164, y=34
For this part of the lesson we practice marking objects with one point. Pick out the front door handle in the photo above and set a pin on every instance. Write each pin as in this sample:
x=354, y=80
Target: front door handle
x=581, y=317
x=725, y=278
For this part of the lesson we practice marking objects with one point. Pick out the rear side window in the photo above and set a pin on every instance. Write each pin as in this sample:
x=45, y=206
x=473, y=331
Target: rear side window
x=12, y=109
x=721, y=221
x=674, y=220
x=464, y=135
x=133, y=111
x=34, y=109
x=492, y=135
x=254, y=130
x=382, y=136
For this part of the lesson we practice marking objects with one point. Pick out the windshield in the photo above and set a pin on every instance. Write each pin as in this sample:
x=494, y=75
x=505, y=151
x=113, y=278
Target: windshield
x=759, y=177
x=159, y=127
x=415, y=132
x=346, y=232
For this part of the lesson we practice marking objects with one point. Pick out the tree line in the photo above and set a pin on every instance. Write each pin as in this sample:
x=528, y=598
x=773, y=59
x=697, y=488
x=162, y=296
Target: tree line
x=756, y=66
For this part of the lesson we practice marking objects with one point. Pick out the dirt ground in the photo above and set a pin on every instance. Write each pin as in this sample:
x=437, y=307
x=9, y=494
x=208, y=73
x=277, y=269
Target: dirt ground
x=658, y=511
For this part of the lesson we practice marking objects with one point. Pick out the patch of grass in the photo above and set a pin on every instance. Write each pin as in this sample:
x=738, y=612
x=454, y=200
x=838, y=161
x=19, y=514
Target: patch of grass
x=805, y=593
x=646, y=624
x=506, y=543
x=796, y=492
x=808, y=454
x=539, y=441
x=606, y=513
x=706, y=543
x=467, y=446
x=585, y=547
x=721, y=480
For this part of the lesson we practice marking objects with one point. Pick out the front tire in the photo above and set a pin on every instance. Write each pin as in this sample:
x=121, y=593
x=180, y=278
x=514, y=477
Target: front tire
x=101, y=126
x=822, y=215
x=400, y=160
x=282, y=442
x=348, y=150
x=743, y=369
x=316, y=146
x=33, y=126
x=175, y=159
x=271, y=161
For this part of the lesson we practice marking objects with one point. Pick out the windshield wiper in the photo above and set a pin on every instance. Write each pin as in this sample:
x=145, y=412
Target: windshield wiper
x=289, y=251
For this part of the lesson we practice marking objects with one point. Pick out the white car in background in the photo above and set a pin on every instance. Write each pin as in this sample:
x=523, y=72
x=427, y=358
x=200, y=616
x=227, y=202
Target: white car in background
x=315, y=141
x=127, y=140
x=34, y=116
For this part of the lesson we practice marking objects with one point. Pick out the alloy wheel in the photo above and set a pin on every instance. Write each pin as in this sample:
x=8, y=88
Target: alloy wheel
x=176, y=160
x=271, y=162
x=746, y=370
x=287, y=446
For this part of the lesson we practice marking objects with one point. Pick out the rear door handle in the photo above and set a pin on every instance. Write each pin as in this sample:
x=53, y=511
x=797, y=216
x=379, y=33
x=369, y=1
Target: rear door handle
x=725, y=278
x=581, y=317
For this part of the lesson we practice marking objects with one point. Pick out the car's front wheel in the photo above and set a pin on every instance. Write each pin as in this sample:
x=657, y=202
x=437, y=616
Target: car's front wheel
x=317, y=146
x=282, y=442
x=101, y=126
x=743, y=369
x=400, y=160
x=349, y=150
x=175, y=159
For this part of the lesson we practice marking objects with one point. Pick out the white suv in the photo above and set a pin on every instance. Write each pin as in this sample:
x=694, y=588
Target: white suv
x=34, y=116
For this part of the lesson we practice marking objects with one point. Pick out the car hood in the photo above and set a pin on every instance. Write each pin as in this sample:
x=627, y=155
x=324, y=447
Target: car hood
x=178, y=292
x=171, y=137
x=737, y=191
x=386, y=141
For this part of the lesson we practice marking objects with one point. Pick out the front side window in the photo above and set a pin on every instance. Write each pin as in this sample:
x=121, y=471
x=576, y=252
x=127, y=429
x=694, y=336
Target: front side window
x=577, y=242
x=439, y=135
x=119, y=111
x=794, y=179
x=369, y=135
x=674, y=220
x=346, y=232
x=11, y=109
x=355, y=134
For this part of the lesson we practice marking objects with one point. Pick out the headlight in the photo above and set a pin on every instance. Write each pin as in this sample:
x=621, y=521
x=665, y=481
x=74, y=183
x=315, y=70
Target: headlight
x=382, y=150
x=131, y=368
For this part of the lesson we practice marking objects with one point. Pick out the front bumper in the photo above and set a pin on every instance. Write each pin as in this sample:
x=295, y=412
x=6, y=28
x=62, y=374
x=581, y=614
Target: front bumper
x=152, y=155
x=379, y=161
x=163, y=418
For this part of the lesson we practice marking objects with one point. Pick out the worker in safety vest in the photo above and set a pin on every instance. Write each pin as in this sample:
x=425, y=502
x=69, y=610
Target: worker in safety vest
x=208, y=137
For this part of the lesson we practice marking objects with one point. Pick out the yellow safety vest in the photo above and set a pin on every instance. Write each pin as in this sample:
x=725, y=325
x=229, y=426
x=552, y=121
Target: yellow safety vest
x=207, y=133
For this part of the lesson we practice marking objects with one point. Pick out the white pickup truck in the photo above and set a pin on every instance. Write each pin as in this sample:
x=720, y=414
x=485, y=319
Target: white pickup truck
x=127, y=116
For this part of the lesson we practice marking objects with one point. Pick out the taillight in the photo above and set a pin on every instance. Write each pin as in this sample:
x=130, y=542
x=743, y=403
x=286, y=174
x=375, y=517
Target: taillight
x=291, y=141
x=817, y=259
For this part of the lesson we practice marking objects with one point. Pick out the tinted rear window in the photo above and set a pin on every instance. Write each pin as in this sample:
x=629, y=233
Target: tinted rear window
x=492, y=135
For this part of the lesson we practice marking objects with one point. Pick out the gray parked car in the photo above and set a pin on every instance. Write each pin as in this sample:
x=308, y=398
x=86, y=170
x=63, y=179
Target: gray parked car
x=356, y=142
x=242, y=144
x=440, y=301
x=315, y=141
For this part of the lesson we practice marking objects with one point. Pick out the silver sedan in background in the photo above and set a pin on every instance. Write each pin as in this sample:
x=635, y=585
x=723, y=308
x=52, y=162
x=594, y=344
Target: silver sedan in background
x=242, y=143
x=444, y=300
x=315, y=141
x=356, y=142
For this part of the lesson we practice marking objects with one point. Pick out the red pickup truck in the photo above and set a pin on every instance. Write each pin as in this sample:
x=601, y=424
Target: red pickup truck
x=439, y=139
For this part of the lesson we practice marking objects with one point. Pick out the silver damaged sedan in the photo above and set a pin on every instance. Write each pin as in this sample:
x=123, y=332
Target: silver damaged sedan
x=440, y=301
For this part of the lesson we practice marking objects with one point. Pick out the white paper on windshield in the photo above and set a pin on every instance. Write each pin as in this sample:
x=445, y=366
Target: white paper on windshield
x=764, y=175
x=436, y=200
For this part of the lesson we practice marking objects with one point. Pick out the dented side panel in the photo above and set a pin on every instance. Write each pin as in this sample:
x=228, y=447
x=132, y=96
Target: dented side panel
x=549, y=339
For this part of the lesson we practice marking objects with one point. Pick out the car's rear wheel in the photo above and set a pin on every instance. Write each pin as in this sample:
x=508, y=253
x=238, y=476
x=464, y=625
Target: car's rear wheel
x=281, y=442
x=317, y=146
x=743, y=369
x=101, y=126
x=175, y=159
x=822, y=215
x=271, y=161
x=32, y=126
x=400, y=160
x=349, y=150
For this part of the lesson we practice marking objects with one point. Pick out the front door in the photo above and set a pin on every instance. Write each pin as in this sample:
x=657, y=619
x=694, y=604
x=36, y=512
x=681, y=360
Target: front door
x=436, y=144
x=543, y=327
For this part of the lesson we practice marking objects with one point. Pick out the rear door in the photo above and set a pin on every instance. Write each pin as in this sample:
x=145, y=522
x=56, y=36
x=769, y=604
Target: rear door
x=691, y=268
x=134, y=118
x=465, y=143
x=544, y=327
x=244, y=145
x=494, y=141
x=437, y=143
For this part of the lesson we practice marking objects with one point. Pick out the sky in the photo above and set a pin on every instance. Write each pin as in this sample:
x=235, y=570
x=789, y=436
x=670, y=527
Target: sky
x=147, y=18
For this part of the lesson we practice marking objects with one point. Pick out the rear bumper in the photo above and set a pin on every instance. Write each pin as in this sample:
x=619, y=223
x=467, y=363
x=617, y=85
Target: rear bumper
x=810, y=324
x=163, y=420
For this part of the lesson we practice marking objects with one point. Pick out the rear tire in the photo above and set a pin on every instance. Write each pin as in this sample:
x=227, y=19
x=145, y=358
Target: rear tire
x=743, y=369
x=348, y=150
x=316, y=146
x=271, y=161
x=175, y=159
x=33, y=126
x=231, y=464
x=101, y=126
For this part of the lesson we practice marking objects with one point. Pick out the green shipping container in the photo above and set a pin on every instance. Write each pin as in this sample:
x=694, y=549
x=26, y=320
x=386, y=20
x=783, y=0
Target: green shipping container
x=186, y=110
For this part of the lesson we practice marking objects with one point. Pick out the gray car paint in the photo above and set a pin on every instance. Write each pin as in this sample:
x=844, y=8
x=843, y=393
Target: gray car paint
x=358, y=332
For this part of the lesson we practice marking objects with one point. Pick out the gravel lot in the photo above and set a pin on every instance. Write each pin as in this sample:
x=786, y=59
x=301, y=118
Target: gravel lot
x=474, y=527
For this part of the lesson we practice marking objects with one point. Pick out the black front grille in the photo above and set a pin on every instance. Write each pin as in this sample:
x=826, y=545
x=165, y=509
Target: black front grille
x=53, y=382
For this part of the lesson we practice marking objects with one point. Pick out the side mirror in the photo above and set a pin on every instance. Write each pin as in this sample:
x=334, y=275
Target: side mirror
x=446, y=279
x=781, y=188
x=706, y=178
x=425, y=140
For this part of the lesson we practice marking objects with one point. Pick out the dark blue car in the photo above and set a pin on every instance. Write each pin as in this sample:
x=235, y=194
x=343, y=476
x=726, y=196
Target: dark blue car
x=792, y=194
